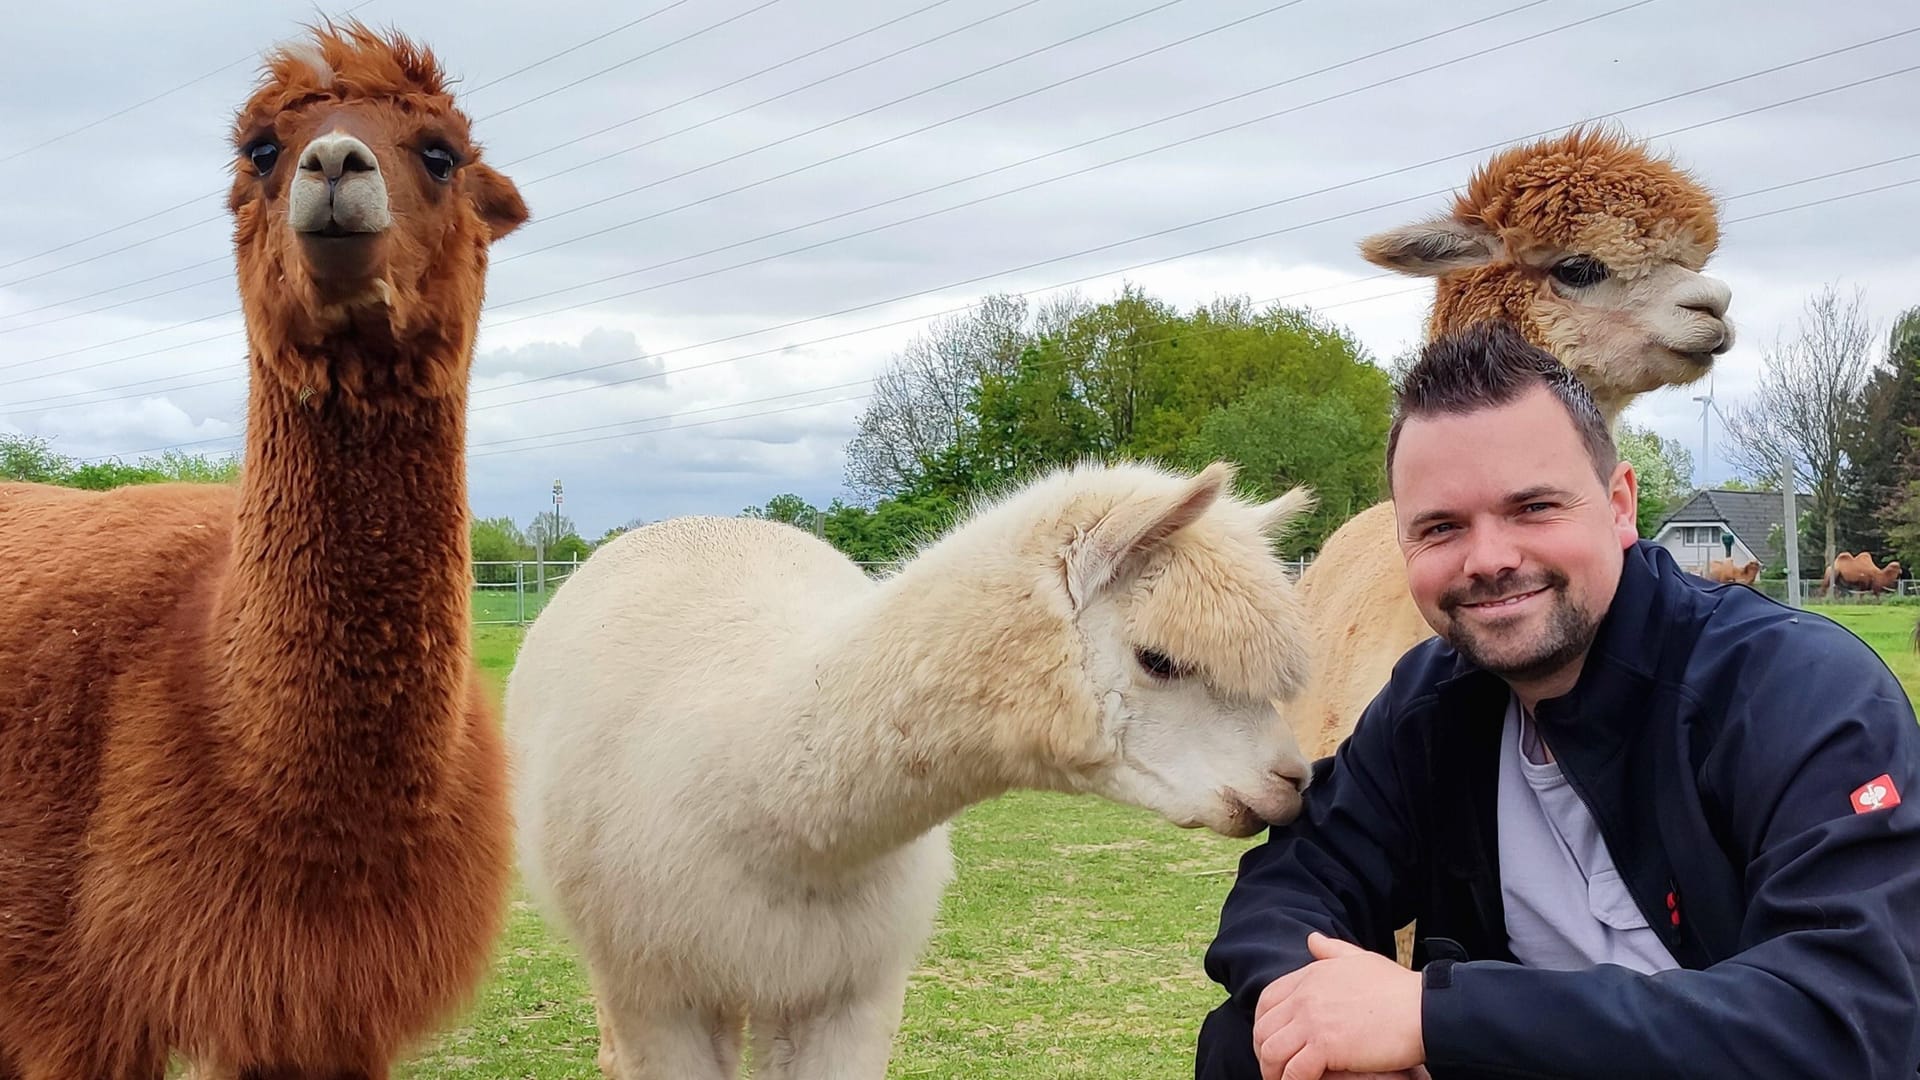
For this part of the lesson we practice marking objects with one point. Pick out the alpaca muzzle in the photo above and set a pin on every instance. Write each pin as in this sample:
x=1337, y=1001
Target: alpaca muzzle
x=338, y=191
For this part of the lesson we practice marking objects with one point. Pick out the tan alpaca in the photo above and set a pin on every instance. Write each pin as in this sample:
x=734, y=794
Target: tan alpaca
x=253, y=801
x=736, y=753
x=1593, y=247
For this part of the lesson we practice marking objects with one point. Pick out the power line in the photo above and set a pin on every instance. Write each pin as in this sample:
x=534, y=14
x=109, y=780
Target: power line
x=115, y=251
x=141, y=103
x=1376, y=176
x=694, y=97
x=1023, y=161
x=183, y=204
x=215, y=193
x=576, y=47
x=775, y=67
x=32, y=402
x=224, y=275
x=1026, y=3
x=763, y=5
x=1023, y=187
x=921, y=318
x=965, y=307
x=1661, y=100
x=791, y=172
x=887, y=104
x=117, y=288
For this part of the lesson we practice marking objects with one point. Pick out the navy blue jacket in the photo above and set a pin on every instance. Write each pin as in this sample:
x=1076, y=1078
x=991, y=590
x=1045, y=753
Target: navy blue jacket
x=1727, y=747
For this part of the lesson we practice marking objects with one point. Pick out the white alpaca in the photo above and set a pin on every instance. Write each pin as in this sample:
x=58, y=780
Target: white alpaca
x=736, y=752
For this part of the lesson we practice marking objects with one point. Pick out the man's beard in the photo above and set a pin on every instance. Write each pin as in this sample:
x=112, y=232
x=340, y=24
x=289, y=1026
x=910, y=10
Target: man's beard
x=1568, y=633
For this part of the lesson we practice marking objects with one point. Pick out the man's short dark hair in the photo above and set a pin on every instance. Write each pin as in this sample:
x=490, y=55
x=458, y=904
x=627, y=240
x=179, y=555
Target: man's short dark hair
x=1488, y=365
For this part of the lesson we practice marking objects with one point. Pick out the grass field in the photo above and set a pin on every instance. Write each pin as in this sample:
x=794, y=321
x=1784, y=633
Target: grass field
x=1068, y=946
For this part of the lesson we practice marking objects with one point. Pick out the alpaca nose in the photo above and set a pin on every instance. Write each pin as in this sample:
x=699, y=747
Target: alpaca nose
x=1708, y=295
x=339, y=189
x=337, y=153
x=1296, y=772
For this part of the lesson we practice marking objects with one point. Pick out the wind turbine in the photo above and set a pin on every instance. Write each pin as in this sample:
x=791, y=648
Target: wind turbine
x=1706, y=408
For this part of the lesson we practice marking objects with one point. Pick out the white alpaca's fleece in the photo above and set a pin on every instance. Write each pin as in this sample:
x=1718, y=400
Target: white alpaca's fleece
x=735, y=752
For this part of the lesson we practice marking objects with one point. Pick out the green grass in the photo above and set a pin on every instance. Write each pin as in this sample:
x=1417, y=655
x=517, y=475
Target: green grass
x=1888, y=628
x=1068, y=946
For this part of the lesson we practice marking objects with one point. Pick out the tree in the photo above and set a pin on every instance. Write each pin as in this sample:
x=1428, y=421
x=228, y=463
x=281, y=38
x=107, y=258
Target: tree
x=1662, y=467
x=919, y=402
x=32, y=459
x=547, y=529
x=788, y=508
x=1810, y=389
x=1281, y=438
x=1888, y=479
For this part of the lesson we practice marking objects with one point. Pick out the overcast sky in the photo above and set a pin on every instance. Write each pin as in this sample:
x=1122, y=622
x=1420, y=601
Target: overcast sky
x=126, y=342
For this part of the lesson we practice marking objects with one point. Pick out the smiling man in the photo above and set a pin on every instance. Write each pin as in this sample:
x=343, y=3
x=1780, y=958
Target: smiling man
x=1648, y=826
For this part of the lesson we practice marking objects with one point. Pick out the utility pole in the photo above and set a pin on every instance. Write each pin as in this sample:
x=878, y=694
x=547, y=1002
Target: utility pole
x=539, y=551
x=1790, y=531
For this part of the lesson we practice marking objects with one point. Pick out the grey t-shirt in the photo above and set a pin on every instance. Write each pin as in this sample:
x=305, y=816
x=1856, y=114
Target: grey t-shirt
x=1567, y=907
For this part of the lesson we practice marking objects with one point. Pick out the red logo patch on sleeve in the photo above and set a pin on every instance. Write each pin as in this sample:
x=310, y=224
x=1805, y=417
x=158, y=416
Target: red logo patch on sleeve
x=1876, y=794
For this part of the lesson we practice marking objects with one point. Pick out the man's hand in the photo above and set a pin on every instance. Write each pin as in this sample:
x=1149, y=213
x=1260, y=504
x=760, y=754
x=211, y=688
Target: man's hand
x=1349, y=1011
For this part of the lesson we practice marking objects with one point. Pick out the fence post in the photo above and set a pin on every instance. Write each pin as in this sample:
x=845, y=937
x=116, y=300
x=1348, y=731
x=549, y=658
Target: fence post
x=520, y=592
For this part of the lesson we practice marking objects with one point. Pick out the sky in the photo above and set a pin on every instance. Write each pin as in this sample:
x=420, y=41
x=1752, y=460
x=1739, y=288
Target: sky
x=747, y=169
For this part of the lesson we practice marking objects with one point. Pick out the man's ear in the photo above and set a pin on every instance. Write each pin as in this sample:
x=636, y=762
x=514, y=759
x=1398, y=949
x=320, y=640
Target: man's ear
x=1623, y=493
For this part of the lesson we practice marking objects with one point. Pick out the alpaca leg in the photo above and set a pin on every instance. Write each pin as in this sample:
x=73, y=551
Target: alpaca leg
x=849, y=1040
x=653, y=1042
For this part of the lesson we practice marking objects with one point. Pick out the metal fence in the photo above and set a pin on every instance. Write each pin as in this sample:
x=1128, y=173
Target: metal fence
x=512, y=593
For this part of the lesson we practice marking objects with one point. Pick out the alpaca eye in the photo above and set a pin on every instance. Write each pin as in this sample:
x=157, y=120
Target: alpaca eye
x=263, y=155
x=439, y=162
x=1580, y=271
x=1159, y=664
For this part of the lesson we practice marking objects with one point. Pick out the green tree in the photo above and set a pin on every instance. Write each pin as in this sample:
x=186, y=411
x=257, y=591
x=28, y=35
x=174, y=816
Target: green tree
x=788, y=508
x=1662, y=467
x=32, y=459
x=1281, y=438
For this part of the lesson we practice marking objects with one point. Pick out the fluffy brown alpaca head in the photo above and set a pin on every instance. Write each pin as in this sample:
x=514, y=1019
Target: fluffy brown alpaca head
x=360, y=201
x=1593, y=247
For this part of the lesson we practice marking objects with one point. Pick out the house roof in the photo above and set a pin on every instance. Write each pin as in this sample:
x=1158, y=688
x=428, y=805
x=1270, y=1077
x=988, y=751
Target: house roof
x=1751, y=515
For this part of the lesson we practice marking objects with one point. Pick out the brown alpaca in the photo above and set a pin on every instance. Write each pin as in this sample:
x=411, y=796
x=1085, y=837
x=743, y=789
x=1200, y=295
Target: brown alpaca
x=254, y=802
x=1726, y=571
x=1857, y=573
x=1593, y=247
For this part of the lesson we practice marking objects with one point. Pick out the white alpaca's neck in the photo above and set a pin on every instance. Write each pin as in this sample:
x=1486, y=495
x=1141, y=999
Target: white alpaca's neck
x=919, y=713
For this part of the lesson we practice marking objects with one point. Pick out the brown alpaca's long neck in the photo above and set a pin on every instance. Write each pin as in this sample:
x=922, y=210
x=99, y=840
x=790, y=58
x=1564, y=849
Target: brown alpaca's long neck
x=347, y=603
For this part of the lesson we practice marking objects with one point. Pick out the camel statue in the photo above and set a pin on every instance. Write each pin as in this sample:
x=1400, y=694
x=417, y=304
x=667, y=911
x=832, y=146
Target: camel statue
x=254, y=804
x=1851, y=573
x=736, y=751
x=1726, y=571
x=1593, y=247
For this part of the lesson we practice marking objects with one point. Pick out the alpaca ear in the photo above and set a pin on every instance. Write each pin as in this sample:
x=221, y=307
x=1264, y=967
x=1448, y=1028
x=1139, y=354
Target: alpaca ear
x=496, y=197
x=1430, y=248
x=1277, y=515
x=1135, y=527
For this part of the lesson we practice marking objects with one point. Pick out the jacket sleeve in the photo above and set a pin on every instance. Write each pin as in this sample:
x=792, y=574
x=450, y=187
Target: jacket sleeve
x=1825, y=982
x=1342, y=868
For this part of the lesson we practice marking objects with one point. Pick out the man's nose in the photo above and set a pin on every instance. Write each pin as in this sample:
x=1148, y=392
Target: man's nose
x=1491, y=551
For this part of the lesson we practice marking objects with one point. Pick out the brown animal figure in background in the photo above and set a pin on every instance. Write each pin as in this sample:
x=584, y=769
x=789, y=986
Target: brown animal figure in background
x=1857, y=573
x=252, y=799
x=1726, y=571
